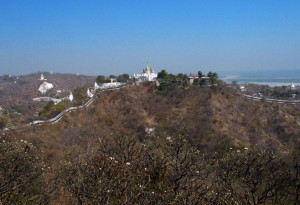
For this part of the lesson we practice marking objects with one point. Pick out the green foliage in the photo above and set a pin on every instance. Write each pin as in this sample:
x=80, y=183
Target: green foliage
x=196, y=81
x=181, y=77
x=170, y=81
x=203, y=81
x=51, y=109
x=101, y=79
x=61, y=106
x=79, y=95
x=162, y=74
x=165, y=85
x=213, y=77
x=2, y=123
x=47, y=108
x=112, y=76
x=123, y=78
x=200, y=74
x=5, y=117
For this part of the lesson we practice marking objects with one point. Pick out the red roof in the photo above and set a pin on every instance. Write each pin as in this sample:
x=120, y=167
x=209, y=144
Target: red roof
x=193, y=75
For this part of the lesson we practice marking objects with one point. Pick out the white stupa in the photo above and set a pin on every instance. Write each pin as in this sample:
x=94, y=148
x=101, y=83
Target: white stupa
x=71, y=97
x=89, y=93
x=44, y=87
x=96, y=86
x=293, y=86
x=42, y=77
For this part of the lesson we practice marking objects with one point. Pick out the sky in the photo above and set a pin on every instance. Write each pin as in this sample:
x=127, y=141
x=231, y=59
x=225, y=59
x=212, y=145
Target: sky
x=121, y=36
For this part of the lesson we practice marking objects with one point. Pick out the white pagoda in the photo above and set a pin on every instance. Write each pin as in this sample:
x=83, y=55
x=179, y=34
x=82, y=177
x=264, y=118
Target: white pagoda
x=292, y=86
x=42, y=77
x=71, y=97
x=89, y=93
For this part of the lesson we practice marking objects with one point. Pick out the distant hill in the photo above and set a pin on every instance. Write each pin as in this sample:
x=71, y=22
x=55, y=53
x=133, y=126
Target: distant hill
x=17, y=93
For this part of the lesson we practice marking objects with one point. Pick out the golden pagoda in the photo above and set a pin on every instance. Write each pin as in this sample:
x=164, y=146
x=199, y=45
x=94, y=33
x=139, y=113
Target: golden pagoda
x=147, y=75
x=148, y=69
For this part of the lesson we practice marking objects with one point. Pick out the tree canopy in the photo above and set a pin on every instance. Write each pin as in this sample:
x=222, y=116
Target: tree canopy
x=162, y=74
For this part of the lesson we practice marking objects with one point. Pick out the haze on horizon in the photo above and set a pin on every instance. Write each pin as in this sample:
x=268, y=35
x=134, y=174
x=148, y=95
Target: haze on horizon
x=114, y=37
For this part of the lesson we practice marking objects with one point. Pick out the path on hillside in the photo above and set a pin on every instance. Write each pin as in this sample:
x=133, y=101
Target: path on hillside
x=87, y=104
x=271, y=99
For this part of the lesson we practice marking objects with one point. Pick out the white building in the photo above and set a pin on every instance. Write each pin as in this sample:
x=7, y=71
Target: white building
x=192, y=77
x=243, y=88
x=44, y=87
x=147, y=75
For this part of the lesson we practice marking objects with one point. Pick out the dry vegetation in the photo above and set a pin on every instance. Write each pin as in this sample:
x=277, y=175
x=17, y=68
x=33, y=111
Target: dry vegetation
x=208, y=146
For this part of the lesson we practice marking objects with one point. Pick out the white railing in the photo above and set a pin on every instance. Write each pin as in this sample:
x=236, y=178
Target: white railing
x=271, y=99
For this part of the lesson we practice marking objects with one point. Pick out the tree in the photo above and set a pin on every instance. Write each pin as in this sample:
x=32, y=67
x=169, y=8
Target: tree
x=200, y=74
x=253, y=177
x=21, y=174
x=113, y=172
x=123, y=78
x=123, y=170
x=79, y=95
x=162, y=74
x=47, y=108
x=112, y=76
x=196, y=81
x=101, y=79
x=187, y=172
x=213, y=77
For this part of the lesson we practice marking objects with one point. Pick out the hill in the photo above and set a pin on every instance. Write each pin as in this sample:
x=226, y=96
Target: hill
x=141, y=145
x=211, y=119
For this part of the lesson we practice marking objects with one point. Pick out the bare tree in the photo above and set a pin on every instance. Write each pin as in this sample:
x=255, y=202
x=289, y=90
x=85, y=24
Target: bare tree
x=21, y=174
x=253, y=177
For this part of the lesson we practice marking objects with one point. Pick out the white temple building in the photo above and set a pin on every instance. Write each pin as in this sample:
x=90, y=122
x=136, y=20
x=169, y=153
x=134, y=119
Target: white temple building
x=147, y=75
x=44, y=87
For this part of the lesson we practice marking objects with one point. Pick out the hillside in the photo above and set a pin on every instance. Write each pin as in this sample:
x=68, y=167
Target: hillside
x=210, y=118
x=139, y=145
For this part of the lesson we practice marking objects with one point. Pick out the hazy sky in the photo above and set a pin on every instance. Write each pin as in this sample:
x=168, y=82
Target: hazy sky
x=114, y=37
